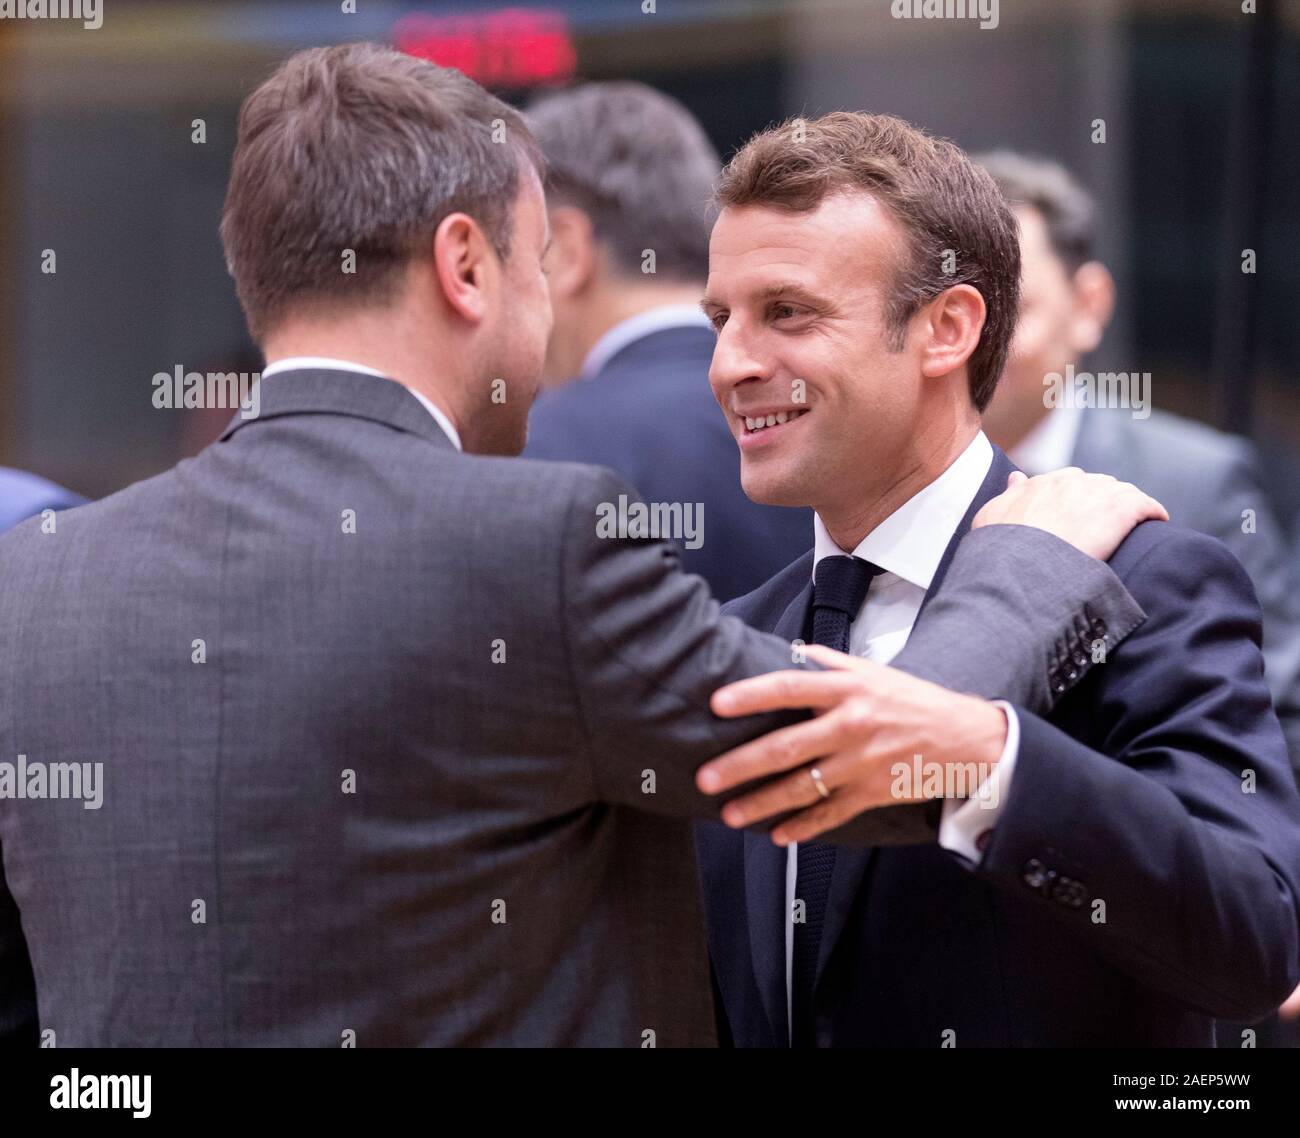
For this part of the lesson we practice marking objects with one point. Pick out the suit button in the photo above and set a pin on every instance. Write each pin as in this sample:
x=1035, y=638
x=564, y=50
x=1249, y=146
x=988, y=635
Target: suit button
x=1079, y=659
x=1070, y=893
x=1035, y=873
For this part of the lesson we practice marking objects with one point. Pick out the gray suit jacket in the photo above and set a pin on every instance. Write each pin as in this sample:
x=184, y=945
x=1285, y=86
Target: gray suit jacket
x=1207, y=480
x=395, y=748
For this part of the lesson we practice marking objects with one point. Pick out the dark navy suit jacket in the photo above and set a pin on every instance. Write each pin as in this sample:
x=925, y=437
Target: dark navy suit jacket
x=650, y=415
x=1142, y=878
x=24, y=495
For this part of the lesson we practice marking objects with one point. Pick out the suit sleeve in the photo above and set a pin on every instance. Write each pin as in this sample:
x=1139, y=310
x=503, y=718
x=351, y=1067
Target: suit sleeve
x=1244, y=521
x=1016, y=603
x=1175, y=846
x=1019, y=618
x=647, y=645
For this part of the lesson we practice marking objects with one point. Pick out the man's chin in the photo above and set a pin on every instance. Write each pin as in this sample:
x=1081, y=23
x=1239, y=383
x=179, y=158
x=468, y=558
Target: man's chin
x=771, y=489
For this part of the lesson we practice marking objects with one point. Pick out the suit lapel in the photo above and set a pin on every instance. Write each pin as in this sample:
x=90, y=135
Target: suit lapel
x=765, y=867
x=1000, y=469
x=851, y=861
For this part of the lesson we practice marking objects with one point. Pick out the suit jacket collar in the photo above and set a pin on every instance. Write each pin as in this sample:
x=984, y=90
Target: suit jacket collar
x=309, y=391
x=995, y=481
x=673, y=319
x=910, y=542
x=646, y=351
x=765, y=863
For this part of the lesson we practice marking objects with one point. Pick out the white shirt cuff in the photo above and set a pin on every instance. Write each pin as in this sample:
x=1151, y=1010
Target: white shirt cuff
x=966, y=822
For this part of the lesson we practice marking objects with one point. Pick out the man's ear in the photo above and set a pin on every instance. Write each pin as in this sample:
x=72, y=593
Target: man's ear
x=953, y=321
x=571, y=260
x=465, y=264
x=1094, y=304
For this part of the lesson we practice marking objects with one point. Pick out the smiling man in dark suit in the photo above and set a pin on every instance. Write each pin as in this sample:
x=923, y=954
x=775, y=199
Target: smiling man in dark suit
x=1129, y=868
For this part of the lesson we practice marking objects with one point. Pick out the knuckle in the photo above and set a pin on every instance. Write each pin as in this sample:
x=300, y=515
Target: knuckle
x=857, y=716
x=785, y=750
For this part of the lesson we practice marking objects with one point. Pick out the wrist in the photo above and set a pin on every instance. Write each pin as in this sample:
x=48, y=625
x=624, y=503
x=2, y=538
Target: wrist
x=986, y=731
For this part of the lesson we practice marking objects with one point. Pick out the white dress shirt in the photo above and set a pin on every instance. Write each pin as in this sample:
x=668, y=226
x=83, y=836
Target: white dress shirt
x=908, y=545
x=325, y=363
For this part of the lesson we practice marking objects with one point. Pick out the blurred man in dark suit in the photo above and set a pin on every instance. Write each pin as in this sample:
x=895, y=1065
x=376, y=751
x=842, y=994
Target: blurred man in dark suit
x=1208, y=481
x=631, y=176
x=24, y=495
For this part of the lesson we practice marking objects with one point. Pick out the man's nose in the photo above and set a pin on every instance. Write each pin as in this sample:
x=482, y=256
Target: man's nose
x=734, y=360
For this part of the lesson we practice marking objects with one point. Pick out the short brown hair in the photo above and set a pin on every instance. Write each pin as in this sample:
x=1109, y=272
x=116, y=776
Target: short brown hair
x=361, y=147
x=639, y=165
x=942, y=200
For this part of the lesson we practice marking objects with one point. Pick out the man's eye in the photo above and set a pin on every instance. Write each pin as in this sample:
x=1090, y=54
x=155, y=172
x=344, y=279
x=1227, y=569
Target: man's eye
x=718, y=320
x=784, y=311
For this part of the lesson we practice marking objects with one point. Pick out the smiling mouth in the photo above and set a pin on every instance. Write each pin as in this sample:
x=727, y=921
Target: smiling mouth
x=754, y=424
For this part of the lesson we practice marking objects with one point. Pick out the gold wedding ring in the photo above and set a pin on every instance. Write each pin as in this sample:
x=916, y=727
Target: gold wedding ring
x=816, y=776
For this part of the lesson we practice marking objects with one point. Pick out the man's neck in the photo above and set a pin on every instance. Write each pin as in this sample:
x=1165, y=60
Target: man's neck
x=623, y=302
x=375, y=347
x=1009, y=431
x=849, y=524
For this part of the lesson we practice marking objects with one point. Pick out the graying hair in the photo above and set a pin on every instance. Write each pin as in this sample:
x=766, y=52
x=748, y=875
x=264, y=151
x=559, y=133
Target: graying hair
x=364, y=148
x=639, y=165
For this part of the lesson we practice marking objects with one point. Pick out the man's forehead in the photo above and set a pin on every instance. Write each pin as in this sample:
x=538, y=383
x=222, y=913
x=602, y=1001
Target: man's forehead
x=1037, y=254
x=844, y=231
x=1029, y=221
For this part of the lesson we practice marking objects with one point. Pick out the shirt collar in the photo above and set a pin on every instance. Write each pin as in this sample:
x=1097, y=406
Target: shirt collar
x=1050, y=443
x=911, y=542
x=637, y=327
x=327, y=363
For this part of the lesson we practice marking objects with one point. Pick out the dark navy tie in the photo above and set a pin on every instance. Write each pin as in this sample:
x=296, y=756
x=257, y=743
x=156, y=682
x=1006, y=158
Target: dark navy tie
x=840, y=586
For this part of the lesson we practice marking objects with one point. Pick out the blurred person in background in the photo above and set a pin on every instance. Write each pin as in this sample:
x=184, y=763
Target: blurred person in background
x=24, y=495
x=631, y=174
x=1206, y=479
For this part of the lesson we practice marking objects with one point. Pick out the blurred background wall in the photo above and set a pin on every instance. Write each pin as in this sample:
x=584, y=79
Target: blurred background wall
x=98, y=162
